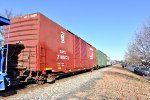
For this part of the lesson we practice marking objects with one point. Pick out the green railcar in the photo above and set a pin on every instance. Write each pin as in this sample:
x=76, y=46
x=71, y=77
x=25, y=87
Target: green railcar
x=101, y=59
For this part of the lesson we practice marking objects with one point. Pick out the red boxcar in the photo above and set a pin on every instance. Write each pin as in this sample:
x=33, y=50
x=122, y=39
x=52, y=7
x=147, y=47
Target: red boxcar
x=37, y=44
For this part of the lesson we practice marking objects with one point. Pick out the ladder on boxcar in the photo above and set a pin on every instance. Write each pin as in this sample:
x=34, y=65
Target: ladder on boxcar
x=42, y=58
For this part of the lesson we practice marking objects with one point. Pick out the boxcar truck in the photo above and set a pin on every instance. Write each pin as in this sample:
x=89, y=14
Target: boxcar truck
x=4, y=80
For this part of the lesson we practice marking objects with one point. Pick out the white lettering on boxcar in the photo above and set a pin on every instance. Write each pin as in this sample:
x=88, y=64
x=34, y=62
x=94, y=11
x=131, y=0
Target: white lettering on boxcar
x=25, y=16
x=33, y=15
x=62, y=57
x=62, y=54
x=62, y=51
x=62, y=37
x=60, y=64
x=91, y=50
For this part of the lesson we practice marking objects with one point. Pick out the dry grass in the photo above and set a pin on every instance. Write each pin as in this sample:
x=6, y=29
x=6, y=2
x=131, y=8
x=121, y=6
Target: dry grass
x=118, y=84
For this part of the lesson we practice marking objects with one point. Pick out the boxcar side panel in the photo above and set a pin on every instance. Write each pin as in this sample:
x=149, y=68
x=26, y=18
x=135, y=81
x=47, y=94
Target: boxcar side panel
x=77, y=52
x=91, y=61
x=101, y=58
x=63, y=51
x=57, y=44
x=83, y=54
x=104, y=59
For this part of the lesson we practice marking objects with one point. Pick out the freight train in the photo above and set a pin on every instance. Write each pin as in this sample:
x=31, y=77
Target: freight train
x=41, y=50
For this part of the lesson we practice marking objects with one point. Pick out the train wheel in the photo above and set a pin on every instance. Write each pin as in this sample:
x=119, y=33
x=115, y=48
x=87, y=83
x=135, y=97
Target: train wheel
x=40, y=82
x=51, y=78
x=92, y=70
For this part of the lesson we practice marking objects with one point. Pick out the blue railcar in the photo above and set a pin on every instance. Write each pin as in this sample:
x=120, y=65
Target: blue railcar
x=4, y=80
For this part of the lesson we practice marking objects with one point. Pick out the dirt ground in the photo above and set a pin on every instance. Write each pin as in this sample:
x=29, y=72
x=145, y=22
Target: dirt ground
x=117, y=84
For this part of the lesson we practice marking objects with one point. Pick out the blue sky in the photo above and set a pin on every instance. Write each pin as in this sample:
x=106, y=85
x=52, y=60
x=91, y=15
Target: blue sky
x=109, y=25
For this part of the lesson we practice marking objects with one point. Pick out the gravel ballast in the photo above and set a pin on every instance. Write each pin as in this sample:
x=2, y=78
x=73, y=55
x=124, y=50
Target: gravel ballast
x=61, y=89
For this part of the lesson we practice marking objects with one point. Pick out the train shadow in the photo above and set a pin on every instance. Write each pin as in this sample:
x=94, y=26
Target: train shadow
x=62, y=76
x=12, y=90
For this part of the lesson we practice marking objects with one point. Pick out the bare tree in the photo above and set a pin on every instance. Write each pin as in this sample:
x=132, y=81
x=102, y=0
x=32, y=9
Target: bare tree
x=8, y=13
x=139, y=50
x=143, y=44
x=132, y=56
